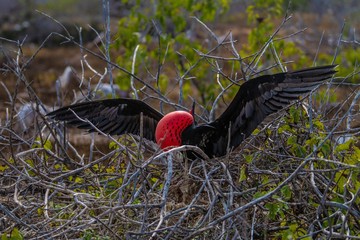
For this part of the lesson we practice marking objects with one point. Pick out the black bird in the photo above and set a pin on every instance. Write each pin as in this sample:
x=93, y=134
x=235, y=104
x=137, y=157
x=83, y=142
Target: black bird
x=255, y=100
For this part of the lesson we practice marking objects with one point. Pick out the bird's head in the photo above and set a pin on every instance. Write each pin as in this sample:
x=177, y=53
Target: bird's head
x=169, y=129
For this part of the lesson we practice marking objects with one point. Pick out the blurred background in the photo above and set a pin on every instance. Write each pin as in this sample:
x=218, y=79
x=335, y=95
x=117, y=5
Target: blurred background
x=18, y=18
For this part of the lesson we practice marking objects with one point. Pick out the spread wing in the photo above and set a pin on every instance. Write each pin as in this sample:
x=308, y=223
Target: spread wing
x=111, y=116
x=255, y=100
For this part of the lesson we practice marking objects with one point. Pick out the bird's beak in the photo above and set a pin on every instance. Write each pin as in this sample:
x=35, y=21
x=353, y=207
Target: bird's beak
x=192, y=111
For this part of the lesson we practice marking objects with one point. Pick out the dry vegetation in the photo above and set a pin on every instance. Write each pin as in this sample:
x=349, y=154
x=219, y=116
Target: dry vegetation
x=126, y=189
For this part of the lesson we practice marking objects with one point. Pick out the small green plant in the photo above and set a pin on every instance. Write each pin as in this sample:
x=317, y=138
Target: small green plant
x=14, y=235
x=92, y=235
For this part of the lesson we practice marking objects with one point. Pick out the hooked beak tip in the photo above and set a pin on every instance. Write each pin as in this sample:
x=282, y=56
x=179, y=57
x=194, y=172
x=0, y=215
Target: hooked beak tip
x=192, y=111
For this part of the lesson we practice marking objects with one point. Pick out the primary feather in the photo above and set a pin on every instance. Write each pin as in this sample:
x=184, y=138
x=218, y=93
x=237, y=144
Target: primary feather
x=255, y=100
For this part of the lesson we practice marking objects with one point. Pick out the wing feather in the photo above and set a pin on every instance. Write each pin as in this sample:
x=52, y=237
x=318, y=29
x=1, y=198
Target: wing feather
x=111, y=116
x=255, y=100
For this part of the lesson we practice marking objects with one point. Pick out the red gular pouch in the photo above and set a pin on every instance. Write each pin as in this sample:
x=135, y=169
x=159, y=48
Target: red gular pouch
x=170, y=127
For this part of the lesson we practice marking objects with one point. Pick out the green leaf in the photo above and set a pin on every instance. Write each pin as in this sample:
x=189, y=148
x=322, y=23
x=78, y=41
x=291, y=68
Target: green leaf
x=79, y=180
x=344, y=146
x=258, y=194
x=113, y=145
x=48, y=145
x=4, y=236
x=286, y=193
x=300, y=151
x=255, y=132
x=243, y=173
x=294, y=114
x=248, y=158
x=163, y=82
x=16, y=235
x=326, y=149
x=3, y=168
x=292, y=140
x=284, y=128
x=318, y=125
x=273, y=209
x=293, y=227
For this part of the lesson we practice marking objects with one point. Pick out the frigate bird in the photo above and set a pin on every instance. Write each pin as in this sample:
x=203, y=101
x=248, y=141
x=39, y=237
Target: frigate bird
x=255, y=100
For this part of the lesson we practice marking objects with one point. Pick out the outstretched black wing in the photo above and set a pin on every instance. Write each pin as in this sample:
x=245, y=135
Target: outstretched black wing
x=255, y=100
x=111, y=116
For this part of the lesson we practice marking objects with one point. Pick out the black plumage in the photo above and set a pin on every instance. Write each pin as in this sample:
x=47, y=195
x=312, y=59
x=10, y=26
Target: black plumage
x=111, y=116
x=255, y=100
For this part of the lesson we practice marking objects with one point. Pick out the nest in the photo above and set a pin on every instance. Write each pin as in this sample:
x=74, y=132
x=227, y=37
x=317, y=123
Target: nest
x=262, y=191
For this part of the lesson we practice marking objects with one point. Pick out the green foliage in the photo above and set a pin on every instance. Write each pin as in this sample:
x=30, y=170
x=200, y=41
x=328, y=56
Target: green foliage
x=264, y=11
x=243, y=173
x=348, y=61
x=39, y=143
x=261, y=15
x=14, y=235
x=286, y=193
x=325, y=96
x=92, y=235
x=299, y=142
x=3, y=168
x=159, y=29
x=276, y=209
x=347, y=179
